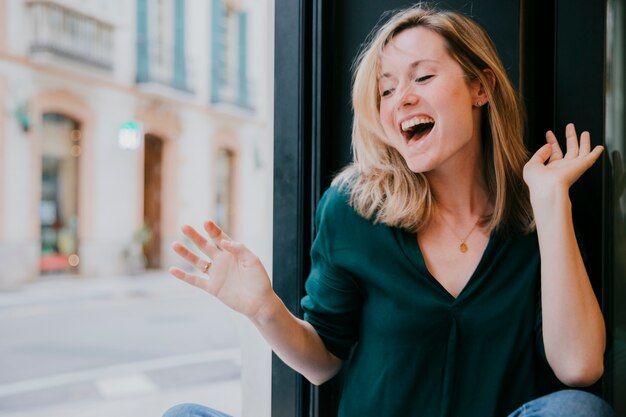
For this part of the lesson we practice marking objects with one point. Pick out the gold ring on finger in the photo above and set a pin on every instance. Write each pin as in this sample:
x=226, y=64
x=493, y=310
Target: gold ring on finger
x=206, y=267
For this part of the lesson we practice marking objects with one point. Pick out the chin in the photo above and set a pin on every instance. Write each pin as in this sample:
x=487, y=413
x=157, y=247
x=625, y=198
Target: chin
x=418, y=163
x=419, y=168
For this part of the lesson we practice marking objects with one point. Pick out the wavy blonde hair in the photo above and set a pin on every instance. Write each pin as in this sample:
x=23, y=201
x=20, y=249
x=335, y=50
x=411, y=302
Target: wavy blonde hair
x=381, y=185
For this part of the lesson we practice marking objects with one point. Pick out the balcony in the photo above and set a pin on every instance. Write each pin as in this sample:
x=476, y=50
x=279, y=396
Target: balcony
x=60, y=31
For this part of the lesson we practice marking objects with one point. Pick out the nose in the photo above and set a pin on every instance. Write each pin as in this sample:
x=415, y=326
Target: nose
x=408, y=96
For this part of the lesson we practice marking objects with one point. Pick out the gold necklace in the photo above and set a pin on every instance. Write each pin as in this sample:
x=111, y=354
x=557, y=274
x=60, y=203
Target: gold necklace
x=463, y=245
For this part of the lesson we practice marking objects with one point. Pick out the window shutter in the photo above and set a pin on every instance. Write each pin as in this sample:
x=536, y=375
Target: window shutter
x=180, y=70
x=143, y=70
x=218, y=55
x=243, y=60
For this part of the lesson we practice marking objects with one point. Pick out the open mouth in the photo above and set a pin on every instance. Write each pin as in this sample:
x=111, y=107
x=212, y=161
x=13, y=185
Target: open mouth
x=416, y=128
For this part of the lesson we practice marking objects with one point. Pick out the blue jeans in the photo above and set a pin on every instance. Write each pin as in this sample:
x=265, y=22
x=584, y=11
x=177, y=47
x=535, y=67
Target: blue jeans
x=193, y=410
x=566, y=403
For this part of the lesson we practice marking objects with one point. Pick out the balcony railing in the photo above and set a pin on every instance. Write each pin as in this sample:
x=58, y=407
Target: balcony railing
x=61, y=31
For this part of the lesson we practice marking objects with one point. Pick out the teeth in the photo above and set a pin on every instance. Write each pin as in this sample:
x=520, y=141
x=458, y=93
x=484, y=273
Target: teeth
x=407, y=124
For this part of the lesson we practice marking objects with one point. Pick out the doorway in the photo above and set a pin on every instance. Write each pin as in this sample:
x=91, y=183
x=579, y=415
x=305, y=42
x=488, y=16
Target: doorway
x=153, y=179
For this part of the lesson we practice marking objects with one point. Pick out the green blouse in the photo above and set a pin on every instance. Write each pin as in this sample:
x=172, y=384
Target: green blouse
x=411, y=348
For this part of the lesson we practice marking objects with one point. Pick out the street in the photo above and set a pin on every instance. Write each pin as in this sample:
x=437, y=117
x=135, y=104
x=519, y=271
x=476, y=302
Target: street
x=117, y=346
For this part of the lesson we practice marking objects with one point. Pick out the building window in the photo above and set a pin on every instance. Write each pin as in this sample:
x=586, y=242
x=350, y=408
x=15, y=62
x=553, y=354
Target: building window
x=58, y=209
x=224, y=169
x=229, y=55
x=161, y=56
x=161, y=34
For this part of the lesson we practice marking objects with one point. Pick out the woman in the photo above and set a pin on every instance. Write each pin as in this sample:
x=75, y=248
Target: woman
x=429, y=284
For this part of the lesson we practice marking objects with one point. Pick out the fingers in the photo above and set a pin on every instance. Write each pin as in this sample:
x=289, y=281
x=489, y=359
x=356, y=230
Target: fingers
x=571, y=140
x=543, y=154
x=200, y=264
x=595, y=154
x=203, y=244
x=575, y=148
x=585, y=143
x=587, y=161
x=220, y=239
x=200, y=241
x=191, y=279
x=554, y=144
x=215, y=233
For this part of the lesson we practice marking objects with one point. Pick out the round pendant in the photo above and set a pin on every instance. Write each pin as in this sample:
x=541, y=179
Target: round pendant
x=463, y=247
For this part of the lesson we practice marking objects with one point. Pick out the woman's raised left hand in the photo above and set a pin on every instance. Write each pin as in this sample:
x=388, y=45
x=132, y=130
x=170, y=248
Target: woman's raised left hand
x=560, y=171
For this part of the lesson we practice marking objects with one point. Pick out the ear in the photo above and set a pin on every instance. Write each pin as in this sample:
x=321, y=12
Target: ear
x=481, y=94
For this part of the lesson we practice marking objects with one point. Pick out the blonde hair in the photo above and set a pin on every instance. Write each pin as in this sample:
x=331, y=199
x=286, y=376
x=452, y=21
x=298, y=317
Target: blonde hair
x=381, y=185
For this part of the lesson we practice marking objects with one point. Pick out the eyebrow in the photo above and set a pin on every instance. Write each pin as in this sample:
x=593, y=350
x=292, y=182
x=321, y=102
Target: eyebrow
x=412, y=66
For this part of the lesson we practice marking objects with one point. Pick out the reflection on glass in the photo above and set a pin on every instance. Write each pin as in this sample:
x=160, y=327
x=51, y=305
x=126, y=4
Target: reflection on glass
x=616, y=144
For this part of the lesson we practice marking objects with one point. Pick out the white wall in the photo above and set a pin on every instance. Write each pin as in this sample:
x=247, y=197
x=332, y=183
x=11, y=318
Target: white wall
x=19, y=250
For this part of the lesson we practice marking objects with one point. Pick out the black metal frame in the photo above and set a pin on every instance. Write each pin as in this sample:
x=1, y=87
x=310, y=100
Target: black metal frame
x=292, y=222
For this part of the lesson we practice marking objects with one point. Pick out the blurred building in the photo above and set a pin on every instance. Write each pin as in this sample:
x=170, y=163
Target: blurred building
x=124, y=120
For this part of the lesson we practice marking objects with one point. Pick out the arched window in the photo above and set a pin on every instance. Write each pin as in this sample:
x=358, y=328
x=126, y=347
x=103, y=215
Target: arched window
x=58, y=208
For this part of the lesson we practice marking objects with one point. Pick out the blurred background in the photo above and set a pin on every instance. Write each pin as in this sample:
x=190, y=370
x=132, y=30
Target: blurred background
x=122, y=121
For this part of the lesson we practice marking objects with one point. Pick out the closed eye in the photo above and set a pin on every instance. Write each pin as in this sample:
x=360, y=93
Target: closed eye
x=424, y=78
x=386, y=93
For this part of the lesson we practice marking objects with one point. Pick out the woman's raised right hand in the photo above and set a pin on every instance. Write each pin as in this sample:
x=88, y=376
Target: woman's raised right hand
x=230, y=271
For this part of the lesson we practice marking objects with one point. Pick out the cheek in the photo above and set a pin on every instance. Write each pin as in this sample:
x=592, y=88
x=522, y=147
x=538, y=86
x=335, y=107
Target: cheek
x=383, y=112
x=458, y=104
x=388, y=125
x=463, y=96
x=386, y=119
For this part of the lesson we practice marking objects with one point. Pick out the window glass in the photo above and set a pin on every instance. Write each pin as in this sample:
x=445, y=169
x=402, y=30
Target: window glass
x=230, y=54
x=161, y=38
x=110, y=144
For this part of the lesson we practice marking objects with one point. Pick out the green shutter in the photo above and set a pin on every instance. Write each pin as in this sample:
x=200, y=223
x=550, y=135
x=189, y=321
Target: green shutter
x=143, y=70
x=242, y=97
x=180, y=70
x=218, y=22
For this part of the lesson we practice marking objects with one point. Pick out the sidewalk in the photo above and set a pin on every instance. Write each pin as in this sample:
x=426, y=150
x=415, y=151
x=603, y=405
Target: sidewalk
x=117, y=379
x=63, y=289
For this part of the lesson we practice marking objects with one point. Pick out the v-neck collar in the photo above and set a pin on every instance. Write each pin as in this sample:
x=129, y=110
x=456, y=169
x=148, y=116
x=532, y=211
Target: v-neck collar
x=416, y=257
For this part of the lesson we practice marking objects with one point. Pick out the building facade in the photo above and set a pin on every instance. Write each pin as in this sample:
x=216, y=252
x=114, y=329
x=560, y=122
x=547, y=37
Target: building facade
x=124, y=120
